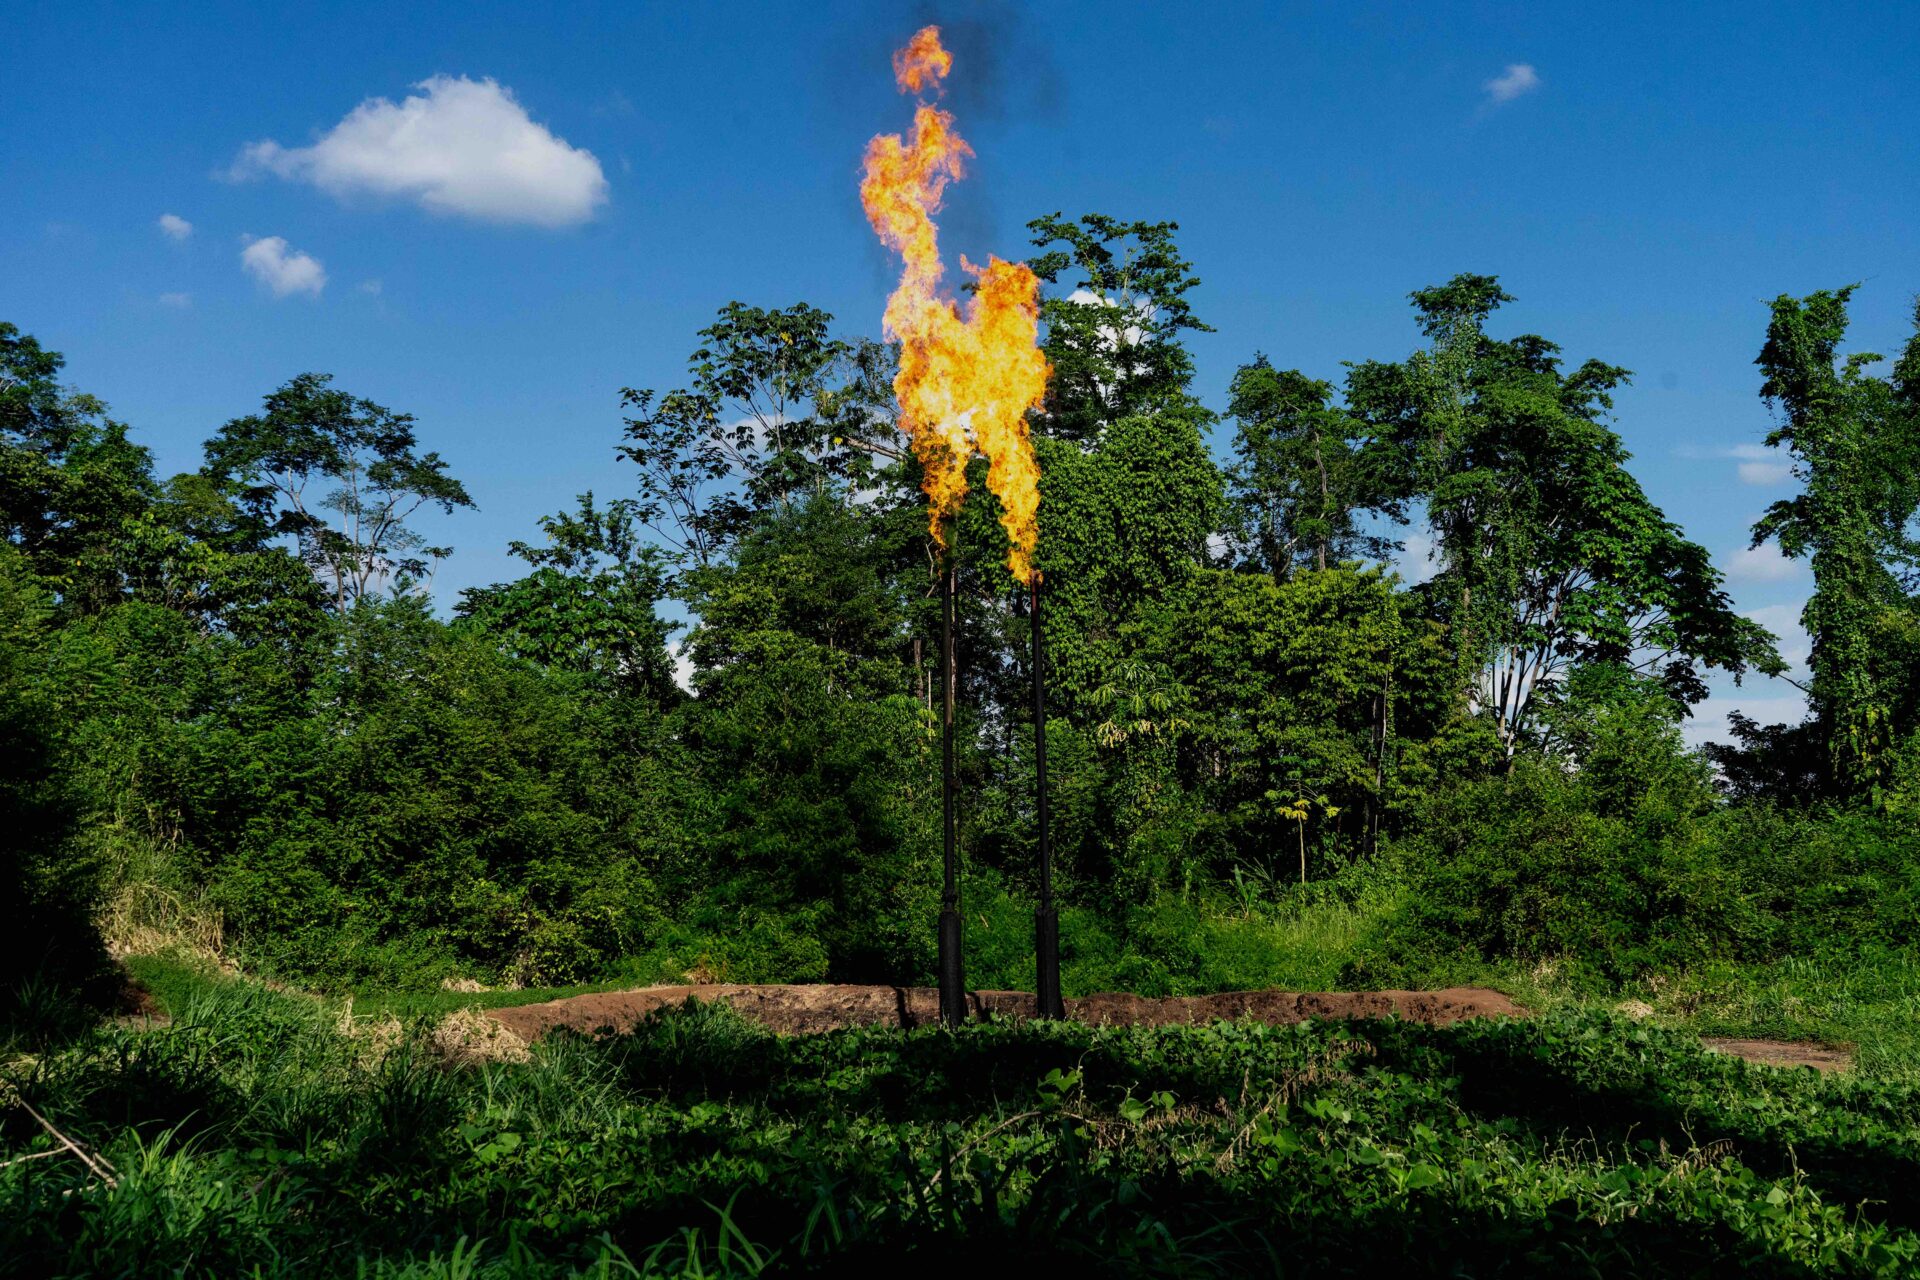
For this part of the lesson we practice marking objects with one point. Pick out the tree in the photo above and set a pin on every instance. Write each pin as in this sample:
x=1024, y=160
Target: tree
x=1551, y=555
x=1114, y=341
x=1855, y=440
x=313, y=434
x=778, y=410
x=1304, y=474
x=590, y=603
x=1289, y=688
x=809, y=581
x=70, y=479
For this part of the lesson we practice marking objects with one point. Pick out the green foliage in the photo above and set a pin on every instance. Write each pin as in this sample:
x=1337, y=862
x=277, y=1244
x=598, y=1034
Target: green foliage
x=1551, y=555
x=1270, y=759
x=1625, y=867
x=589, y=606
x=70, y=478
x=250, y=1137
x=777, y=411
x=47, y=879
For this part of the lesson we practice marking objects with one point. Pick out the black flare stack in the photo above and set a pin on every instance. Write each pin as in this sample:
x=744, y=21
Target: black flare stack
x=1046, y=920
x=953, y=985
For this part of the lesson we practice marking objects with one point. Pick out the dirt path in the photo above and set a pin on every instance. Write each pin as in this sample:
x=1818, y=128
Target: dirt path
x=827, y=1007
x=798, y=1008
x=1782, y=1053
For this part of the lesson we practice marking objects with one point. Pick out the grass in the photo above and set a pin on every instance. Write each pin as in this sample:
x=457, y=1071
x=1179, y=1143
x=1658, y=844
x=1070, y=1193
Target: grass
x=174, y=976
x=250, y=1136
x=1868, y=1003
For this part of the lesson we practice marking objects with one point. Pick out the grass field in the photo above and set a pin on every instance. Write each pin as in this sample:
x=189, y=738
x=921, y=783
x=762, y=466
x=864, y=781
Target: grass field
x=251, y=1135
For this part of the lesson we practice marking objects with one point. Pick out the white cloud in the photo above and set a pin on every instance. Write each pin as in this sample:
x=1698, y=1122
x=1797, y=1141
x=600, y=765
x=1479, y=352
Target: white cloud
x=1763, y=563
x=1760, y=465
x=460, y=147
x=1516, y=81
x=1130, y=335
x=371, y=286
x=179, y=300
x=284, y=271
x=1764, y=473
x=174, y=227
x=1756, y=464
x=683, y=668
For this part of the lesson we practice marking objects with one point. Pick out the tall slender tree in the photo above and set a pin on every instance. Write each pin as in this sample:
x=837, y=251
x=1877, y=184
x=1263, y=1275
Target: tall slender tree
x=1855, y=441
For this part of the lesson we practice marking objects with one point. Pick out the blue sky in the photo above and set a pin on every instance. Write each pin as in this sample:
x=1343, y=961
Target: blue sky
x=1652, y=176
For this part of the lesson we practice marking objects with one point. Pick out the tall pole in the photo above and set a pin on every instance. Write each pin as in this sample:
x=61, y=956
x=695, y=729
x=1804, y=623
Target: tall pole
x=1046, y=921
x=953, y=986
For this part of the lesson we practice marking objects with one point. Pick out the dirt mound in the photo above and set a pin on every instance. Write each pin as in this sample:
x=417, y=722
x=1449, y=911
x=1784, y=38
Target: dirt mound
x=827, y=1007
x=1782, y=1053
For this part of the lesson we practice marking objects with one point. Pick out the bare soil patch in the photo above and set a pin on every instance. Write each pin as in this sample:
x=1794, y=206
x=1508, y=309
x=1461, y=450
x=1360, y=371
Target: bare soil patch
x=793, y=1009
x=1783, y=1053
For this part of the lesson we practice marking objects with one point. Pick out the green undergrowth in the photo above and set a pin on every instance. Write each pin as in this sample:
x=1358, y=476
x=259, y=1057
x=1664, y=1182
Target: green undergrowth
x=248, y=1135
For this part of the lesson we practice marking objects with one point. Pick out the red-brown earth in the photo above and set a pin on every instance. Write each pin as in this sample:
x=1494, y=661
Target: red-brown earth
x=828, y=1007
x=798, y=1008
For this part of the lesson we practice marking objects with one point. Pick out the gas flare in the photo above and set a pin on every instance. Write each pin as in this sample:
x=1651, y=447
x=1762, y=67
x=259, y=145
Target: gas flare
x=963, y=382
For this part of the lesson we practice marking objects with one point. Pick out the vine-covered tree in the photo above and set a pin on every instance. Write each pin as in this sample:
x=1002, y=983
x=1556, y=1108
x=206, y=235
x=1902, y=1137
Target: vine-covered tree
x=777, y=410
x=1114, y=340
x=70, y=478
x=1855, y=441
x=590, y=603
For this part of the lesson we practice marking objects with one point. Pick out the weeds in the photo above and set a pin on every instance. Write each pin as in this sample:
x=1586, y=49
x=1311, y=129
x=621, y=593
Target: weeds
x=250, y=1137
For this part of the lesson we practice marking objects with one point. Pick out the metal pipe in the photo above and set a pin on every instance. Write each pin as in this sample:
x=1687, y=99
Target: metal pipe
x=953, y=987
x=1046, y=920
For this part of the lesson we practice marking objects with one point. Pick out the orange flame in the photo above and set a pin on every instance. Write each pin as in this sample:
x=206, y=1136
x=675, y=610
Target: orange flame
x=962, y=382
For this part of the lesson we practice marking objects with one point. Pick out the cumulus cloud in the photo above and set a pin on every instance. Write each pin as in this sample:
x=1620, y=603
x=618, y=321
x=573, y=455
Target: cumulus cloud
x=1518, y=80
x=1756, y=464
x=174, y=227
x=1763, y=563
x=1131, y=335
x=1760, y=465
x=282, y=269
x=683, y=668
x=459, y=146
x=180, y=301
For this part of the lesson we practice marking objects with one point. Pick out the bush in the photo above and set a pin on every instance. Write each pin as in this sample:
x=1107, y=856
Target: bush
x=1626, y=864
x=49, y=879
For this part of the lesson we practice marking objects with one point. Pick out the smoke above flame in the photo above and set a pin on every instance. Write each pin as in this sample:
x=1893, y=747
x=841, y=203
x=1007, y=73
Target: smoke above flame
x=965, y=382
